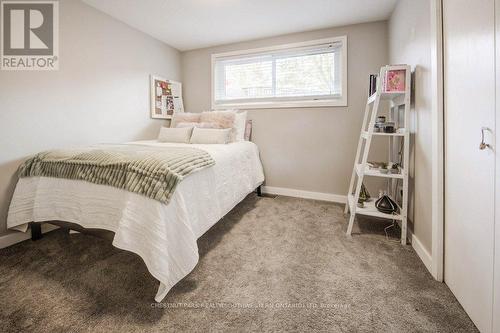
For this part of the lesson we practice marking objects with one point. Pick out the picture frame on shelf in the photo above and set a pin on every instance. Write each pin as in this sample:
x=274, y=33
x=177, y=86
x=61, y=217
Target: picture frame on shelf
x=395, y=80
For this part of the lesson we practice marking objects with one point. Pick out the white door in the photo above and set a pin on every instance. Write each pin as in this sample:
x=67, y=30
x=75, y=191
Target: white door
x=469, y=96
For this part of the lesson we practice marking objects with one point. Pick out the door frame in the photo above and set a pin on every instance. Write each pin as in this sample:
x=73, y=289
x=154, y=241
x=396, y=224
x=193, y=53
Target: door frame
x=496, y=263
x=437, y=163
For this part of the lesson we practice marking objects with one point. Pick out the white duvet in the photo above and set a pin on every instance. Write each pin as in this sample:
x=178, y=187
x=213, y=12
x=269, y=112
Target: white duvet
x=163, y=235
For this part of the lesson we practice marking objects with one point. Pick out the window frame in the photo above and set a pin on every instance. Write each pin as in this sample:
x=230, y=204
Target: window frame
x=301, y=102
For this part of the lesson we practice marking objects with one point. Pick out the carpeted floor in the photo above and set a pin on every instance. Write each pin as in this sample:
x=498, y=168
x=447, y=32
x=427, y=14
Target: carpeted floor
x=272, y=264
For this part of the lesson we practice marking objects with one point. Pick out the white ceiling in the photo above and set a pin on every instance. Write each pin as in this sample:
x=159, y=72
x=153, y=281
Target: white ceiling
x=192, y=24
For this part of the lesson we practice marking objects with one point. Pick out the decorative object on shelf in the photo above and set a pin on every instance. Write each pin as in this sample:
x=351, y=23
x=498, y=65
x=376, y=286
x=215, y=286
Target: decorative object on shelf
x=373, y=84
x=379, y=124
x=389, y=127
x=166, y=97
x=383, y=168
x=395, y=80
x=375, y=165
x=382, y=126
x=364, y=195
x=394, y=168
x=386, y=205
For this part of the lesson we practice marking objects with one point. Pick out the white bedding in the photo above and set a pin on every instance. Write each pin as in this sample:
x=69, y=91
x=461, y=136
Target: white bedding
x=164, y=236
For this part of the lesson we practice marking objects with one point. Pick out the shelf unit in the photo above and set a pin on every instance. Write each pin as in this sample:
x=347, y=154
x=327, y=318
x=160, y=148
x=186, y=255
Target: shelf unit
x=395, y=96
x=376, y=173
x=399, y=110
x=365, y=134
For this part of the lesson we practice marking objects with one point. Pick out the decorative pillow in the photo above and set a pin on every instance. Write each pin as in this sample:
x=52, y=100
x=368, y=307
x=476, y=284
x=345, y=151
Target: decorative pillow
x=210, y=135
x=180, y=135
x=200, y=125
x=185, y=117
x=222, y=119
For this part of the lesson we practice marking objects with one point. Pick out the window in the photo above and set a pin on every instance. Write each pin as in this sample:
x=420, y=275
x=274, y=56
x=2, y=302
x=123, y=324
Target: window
x=295, y=75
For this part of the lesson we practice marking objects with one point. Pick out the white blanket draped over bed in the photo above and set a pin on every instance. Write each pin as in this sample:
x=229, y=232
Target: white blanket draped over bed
x=164, y=236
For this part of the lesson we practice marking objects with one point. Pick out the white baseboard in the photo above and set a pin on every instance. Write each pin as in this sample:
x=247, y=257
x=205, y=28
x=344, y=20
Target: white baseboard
x=14, y=237
x=304, y=194
x=422, y=253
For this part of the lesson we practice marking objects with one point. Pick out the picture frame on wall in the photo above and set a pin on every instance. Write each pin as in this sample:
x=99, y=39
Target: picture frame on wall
x=166, y=97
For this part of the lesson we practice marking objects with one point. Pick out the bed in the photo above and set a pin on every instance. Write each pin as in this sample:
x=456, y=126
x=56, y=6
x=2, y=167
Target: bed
x=163, y=235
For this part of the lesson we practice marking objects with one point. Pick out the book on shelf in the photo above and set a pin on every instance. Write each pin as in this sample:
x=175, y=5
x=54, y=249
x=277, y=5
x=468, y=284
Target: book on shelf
x=373, y=84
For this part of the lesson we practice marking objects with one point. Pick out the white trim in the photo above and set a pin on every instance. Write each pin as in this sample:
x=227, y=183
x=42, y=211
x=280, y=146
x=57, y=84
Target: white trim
x=437, y=127
x=283, y=104
x=14, y=237
x=496, y=263
x=342, y=101
x=422, y=253
x=334, y=39
x=289, y=192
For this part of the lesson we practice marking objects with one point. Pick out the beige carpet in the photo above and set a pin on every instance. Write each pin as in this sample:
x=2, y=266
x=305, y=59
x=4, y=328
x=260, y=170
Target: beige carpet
x=272, y=264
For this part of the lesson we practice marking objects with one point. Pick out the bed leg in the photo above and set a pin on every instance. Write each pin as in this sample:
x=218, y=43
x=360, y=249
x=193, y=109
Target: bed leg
x=36, y=231
x=259, y=191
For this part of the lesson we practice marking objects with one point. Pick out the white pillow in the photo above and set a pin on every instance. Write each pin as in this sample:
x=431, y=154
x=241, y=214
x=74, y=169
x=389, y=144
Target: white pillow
x=240, y=122
x=178, y=135
x=210, y=135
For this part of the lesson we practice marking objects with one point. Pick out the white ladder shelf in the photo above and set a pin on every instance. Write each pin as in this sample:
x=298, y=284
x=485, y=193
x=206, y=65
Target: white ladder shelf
x=399, y=102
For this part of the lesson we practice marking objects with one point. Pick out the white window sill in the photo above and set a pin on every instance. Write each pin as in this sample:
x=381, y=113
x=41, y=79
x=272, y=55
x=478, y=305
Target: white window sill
x=341, y=102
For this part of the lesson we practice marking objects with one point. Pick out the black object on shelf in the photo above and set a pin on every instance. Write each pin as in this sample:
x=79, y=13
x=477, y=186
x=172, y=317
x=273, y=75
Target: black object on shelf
x=390, y=127
x=373, y=84
x=386, y=205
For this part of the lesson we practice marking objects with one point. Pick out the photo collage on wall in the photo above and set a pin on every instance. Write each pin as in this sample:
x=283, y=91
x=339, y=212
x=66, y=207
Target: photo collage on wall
x=166, y=98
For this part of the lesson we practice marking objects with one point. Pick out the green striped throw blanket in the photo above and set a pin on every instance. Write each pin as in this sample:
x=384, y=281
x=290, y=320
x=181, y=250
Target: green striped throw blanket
x=154, y=172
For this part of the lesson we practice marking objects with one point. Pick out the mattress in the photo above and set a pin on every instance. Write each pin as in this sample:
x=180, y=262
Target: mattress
x=163, y=235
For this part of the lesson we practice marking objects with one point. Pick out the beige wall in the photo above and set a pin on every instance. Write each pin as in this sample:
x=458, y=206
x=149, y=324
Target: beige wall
x=309, y=149
x=100, y=93
x=410, y=43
